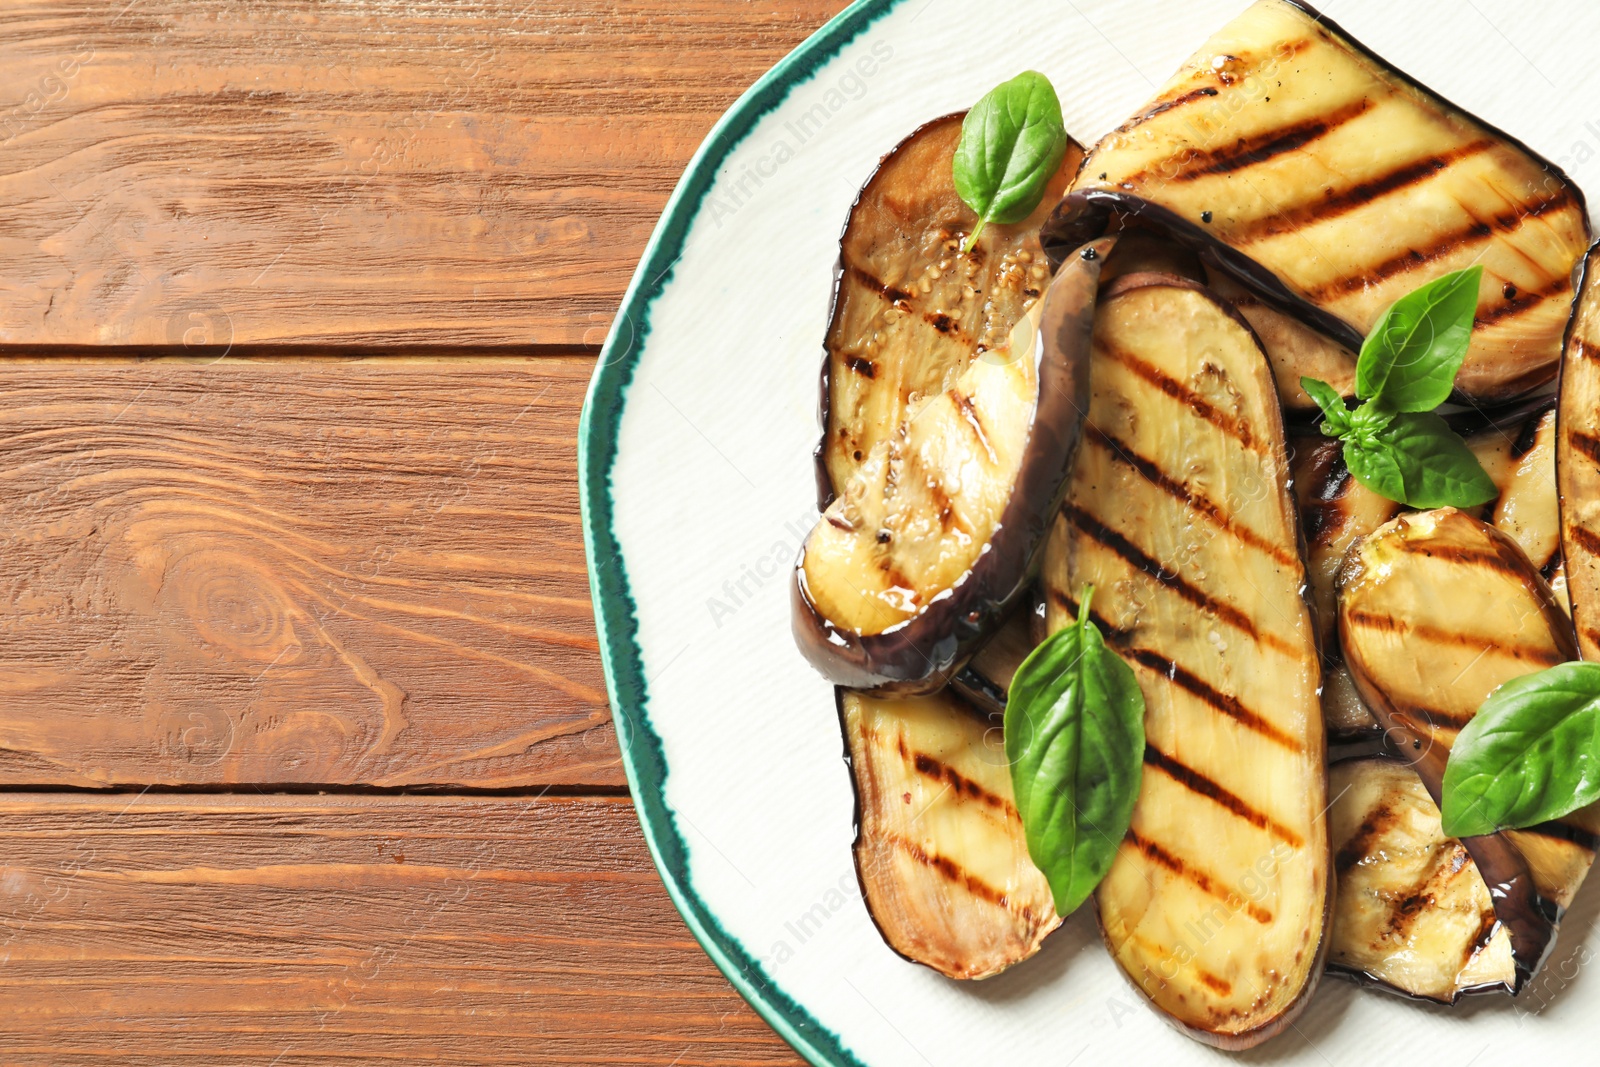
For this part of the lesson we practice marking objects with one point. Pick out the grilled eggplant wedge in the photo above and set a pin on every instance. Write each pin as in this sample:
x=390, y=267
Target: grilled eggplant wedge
x=1179, y=516
x=1436, y=611
x=939, y=848
x=1332, y=185
x=1295, y=350
x=933, y=539
x=1412, y=913
x=1578, y=459
x=1518, y=451
x=911, y=310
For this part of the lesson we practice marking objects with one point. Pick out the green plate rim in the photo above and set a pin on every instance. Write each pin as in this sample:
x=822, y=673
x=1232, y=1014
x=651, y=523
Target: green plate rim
x=643, y=758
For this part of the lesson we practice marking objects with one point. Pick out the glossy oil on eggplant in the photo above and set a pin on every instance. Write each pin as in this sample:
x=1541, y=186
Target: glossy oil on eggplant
x=1179, y=515
x=1332, y=184
x=1578, y=459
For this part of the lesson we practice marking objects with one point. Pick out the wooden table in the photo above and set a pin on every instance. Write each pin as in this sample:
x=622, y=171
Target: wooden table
x=304, y=749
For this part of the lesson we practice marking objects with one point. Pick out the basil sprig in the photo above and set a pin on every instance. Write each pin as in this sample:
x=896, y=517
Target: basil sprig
x=1012, y=142
x=1074, y=736
x=1394, y=444
x=1531, y=754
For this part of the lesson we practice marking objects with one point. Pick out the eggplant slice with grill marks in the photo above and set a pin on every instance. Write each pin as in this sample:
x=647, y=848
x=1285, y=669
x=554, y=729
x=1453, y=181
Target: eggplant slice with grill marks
x=940, y=852
x=1578, y=459
x=1179, y=516
x=910, y=309
x=1412, y=912
x=1332, y=184
x=1518, y=451
x=1436, y=611
x=1295, y=350
x=932, y=541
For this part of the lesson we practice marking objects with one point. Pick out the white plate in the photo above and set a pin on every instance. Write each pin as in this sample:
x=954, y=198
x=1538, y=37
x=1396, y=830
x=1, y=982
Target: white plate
x=697, y=479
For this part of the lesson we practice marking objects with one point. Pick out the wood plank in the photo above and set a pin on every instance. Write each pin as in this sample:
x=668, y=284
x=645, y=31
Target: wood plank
x=302, y=172
x=286, y=931
x=364, y=573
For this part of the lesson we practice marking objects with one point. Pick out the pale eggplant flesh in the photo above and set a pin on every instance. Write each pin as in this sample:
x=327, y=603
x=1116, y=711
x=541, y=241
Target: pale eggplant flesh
x=1217, y=904
x=1294, y=349
x=1578, y=459
x=1516, y=448
x=932, y=542
x=1437, y=610
x=912, y=309
x=939, y=849
x=1331, y=185
x=1412, y=915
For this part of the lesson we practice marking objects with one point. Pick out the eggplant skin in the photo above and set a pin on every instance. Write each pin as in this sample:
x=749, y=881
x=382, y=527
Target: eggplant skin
x=1179, y=515
x=940, y=851
x=1331, y=184
x=910, y=308
x=1578, y=458
x=932, y=542
x=1437, y=610
x=1413, y=915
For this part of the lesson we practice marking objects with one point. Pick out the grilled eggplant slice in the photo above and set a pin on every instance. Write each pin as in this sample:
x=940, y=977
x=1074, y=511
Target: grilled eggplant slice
x=1332, y=184
x=939, y=847
x=1436, y=611
x=1179, y=515
x=1412, y=913
x=1578, y=459
x=932, y=541
x=911, y=310
x=1518, y=451
x=1295, y=350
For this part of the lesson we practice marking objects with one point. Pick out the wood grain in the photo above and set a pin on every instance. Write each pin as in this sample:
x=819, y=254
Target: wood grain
x=296, y=572
x=412, y=173
x=285, y=931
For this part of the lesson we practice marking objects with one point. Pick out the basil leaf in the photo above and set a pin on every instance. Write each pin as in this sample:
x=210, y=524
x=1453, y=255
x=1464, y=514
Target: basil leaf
x=1336, y=416
x=1417, y=460
x=1012, y=142
x=1531, y=754
x=1074, y=735
x=1410, y=359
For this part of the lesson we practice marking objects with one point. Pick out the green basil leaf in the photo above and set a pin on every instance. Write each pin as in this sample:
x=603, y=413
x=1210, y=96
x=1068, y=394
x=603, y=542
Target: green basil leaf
x=1419, y=461
x=1531, y=754
x=1074, y=735
x=1335, y=415
x=1012, y=142
x=1410, y=359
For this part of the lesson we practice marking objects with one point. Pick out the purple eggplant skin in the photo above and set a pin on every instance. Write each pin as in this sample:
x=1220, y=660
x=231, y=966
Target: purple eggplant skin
x=920, y=654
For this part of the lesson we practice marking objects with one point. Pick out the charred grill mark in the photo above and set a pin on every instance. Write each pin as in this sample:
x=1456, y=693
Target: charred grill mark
x=1486, y=928
x=1162, y=858
x=1180, y=492
x=1204, y=691
x=870, y=281
x=1442, y=245
x=960, y=784
x=1140, y=560
x=1582, y=349
x=864, y=367
x=1469, y=557
x=1522, y=302
x=1565, y=831
x=952, y=871
x=1389, y=624
x=1335, y=204
x=963, y=404
x=942, y=322
x=1167, y=105
x=1584, y=539
x=1219, y=985
x=1588, y=444
x=1374, y=826
x=1422, y=896
x=1183, y=394
x=1196, y=782
x=1250, y=151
